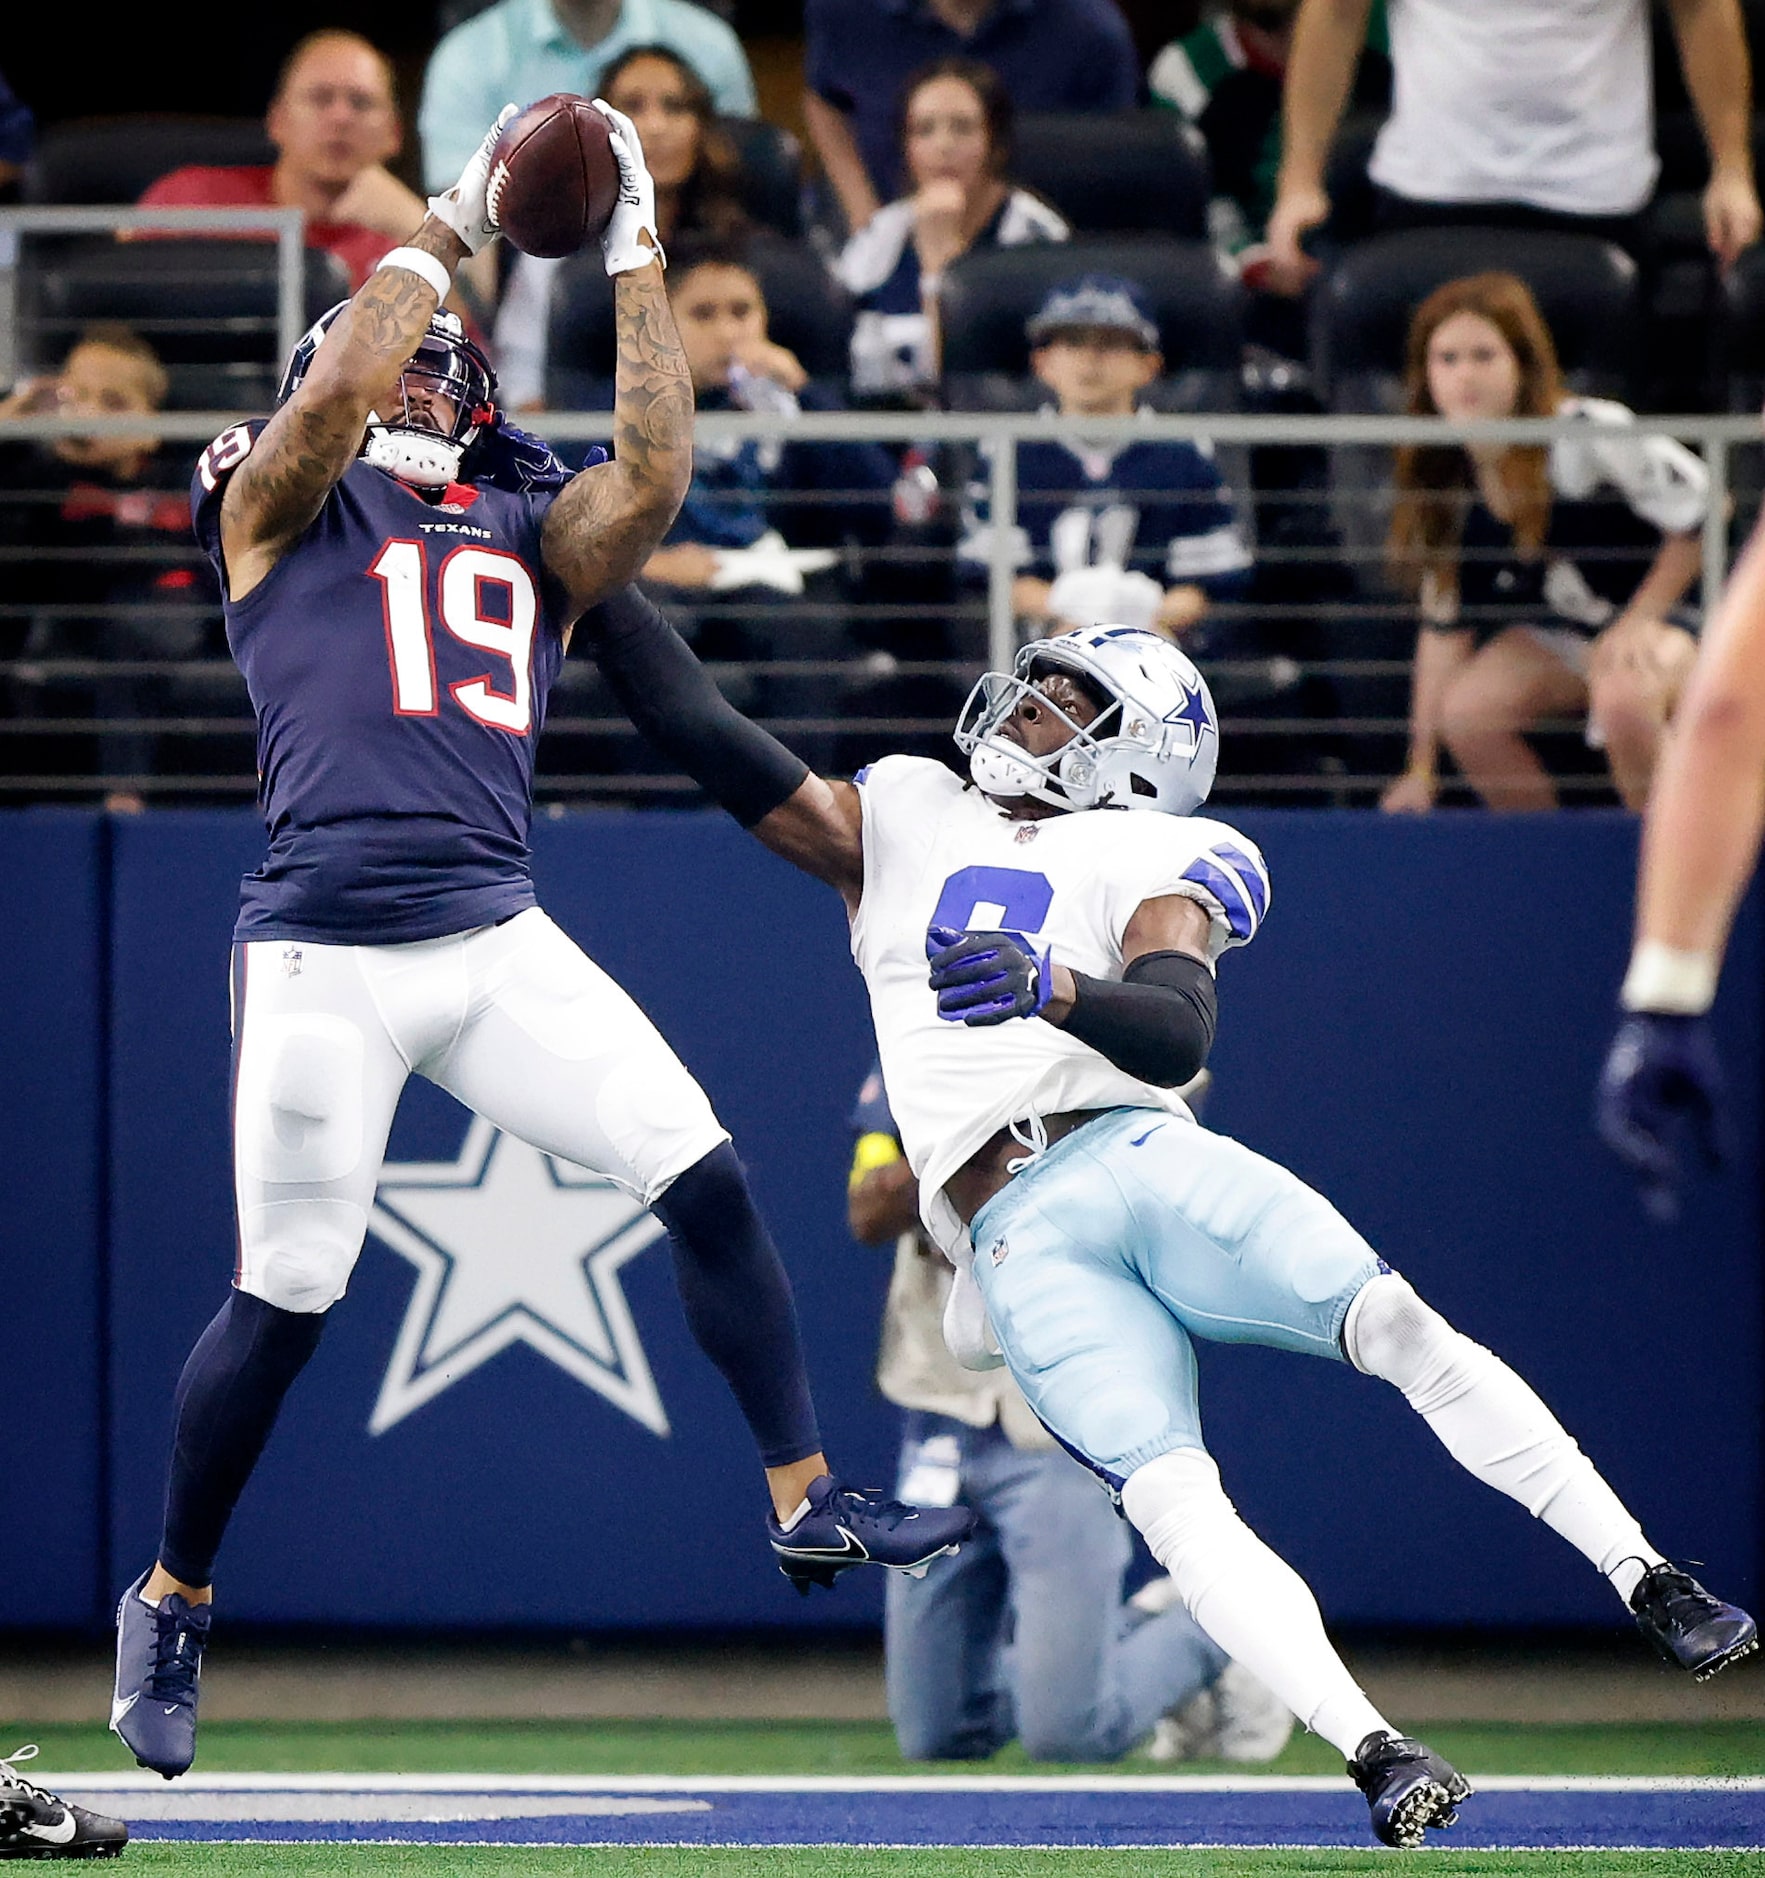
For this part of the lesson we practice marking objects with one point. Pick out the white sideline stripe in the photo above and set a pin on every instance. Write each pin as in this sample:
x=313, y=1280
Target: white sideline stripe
x=109, y=1782
x=382, y=1808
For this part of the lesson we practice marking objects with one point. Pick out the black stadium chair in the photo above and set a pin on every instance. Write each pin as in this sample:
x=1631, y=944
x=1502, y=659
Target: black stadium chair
x=1195, y=299
x=113, y=159
x=1586, y=288
x=1112, y=172
x=772, y=172
x=808, y=311
x=208, y=307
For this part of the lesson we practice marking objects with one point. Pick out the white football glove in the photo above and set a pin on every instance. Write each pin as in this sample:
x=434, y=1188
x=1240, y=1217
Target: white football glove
x=1105, y=596
x=622, y=245
x=463, y=208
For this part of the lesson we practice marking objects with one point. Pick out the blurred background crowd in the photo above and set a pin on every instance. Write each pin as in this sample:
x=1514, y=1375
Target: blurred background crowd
x=1277, y=209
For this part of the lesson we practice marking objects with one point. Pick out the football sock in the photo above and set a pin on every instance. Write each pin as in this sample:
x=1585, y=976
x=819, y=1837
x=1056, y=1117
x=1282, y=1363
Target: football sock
x=1251, y=1602
x=738, y=1303
x=1494, y=1425
x=227, y=1401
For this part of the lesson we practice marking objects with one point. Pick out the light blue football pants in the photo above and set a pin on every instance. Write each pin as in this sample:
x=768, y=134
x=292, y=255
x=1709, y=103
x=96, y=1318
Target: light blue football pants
x=1132, y=1235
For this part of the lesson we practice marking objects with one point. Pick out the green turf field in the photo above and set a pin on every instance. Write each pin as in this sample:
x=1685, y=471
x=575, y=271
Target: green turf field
x=863, y=1748
x=654, y=1747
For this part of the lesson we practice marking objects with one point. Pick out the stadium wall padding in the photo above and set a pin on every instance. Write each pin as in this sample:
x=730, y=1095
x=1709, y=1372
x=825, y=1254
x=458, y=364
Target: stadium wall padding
x=1417, y=1032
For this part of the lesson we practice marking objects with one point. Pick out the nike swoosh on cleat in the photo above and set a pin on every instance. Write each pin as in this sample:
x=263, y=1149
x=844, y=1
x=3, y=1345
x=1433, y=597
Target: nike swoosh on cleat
x=61, y=1833
x=119, y=1709
x=850, y=1547
x=173, y=1709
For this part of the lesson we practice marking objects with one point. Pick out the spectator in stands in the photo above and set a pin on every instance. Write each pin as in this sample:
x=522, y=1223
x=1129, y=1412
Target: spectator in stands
x=1516, y=114
x=1048, y=55
x=955, y=136
x=1024, y=1634
x=101, y=522
x=1548, y=577
x=695, y=167
x=335, y=125
x=525, y=49
x=18, y=138
x=765, y=523
x=1142, y=534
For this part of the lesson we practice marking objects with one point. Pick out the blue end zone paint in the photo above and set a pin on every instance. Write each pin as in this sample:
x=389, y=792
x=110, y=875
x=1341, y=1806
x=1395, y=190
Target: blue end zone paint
x=1550, y=1816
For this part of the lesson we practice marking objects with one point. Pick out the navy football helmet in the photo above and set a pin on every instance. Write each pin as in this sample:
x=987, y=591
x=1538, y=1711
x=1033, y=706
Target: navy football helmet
x=409, y=444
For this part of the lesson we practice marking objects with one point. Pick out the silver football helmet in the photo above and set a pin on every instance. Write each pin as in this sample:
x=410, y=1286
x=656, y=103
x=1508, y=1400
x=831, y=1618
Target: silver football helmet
x=406, y=444
x=1154, y=744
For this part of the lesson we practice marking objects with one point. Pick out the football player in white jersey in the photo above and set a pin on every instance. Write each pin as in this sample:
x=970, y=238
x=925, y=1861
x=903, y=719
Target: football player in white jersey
x=1039, y=945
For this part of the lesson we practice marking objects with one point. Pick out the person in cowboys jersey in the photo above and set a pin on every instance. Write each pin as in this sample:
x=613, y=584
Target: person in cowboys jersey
x=401, y=573
x=1073, y=908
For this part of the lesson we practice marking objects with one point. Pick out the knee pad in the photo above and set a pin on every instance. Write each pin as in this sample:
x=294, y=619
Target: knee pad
x=298, y=1254
x=298, y=1108
x=1390, y=1333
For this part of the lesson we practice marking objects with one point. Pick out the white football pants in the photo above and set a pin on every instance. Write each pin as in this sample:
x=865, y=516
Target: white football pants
x=514, y=1020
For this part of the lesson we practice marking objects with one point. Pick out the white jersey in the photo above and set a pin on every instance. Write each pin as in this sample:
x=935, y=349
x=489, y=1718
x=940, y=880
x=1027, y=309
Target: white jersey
x=937, y=852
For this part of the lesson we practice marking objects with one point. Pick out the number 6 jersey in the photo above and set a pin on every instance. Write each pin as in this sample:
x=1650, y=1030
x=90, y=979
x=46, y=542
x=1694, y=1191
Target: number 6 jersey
x=398, y=656
x=939, y=853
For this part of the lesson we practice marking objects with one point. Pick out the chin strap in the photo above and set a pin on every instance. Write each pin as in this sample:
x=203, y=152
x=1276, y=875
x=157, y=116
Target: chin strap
x=413, y=456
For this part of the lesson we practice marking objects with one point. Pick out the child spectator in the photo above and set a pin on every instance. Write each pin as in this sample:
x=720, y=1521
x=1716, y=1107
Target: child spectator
x=955, y=135
x=101, y=522
x=1141, y=534
x=1548, y=576
x=765, y=522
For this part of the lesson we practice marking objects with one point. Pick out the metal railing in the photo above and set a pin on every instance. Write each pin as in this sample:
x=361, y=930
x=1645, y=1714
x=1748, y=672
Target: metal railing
x=1270, y=702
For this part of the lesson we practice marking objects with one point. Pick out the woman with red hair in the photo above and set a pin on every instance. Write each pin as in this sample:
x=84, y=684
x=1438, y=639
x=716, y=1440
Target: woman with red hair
x=1547, y=575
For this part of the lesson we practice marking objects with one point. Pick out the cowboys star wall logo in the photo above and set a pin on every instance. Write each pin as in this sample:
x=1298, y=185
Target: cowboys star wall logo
x=512, y=1246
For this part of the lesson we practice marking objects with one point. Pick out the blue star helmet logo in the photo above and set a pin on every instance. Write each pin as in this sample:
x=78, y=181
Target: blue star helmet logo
x=1193, y=712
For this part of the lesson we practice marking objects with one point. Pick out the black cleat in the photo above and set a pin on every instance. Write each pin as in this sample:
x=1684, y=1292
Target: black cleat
x=35, y=1824
x=1690, y=1628
x=1408, y=1786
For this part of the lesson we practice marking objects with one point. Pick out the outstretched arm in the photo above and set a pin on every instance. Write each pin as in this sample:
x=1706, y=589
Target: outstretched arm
x=814, y=823
x=274, y=495
x=611, y=519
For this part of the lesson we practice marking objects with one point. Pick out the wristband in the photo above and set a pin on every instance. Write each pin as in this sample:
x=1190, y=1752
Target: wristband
x=425, y=266
x=1662, y=978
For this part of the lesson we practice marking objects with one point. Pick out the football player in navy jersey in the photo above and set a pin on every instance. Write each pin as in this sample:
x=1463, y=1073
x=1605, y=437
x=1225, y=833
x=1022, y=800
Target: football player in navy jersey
x=401, y=571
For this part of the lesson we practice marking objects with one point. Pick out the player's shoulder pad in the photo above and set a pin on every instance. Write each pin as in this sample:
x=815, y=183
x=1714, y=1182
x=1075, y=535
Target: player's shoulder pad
x=209, y=479
x=1228, y=867
x=889, y=774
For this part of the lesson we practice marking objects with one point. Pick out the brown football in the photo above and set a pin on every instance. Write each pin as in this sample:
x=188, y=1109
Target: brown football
x=554, y=181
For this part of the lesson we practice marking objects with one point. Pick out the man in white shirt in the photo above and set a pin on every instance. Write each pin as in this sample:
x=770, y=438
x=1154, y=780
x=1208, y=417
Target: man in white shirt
x=1526, y=112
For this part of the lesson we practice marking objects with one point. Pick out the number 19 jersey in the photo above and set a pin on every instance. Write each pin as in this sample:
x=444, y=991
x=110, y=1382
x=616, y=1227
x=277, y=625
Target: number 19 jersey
x=939, y=853
x=399, y=657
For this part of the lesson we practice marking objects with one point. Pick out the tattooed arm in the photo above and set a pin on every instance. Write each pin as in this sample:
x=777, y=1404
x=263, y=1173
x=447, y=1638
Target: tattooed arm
x=276, y=492
x=608, y=521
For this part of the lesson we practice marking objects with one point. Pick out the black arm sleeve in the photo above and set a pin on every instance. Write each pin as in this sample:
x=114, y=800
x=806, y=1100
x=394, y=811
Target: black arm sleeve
x=1157, y=1023
x=669, y=696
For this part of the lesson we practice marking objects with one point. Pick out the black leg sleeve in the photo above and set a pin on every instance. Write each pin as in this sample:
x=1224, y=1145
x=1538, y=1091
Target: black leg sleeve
x=738, y=1303
x=227, y=1402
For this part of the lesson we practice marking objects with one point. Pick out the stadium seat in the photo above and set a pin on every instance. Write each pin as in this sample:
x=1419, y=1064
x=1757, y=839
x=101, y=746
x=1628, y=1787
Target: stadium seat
x=1195, y=299
x=207, y=307
x=772, y=172
x=1111, y=172
x=809, y=312
x=1586, y=288
x=113, y=159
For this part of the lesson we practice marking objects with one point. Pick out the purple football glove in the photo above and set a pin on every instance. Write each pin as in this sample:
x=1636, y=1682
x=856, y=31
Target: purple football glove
x=986, y=977
x=1662, y=1084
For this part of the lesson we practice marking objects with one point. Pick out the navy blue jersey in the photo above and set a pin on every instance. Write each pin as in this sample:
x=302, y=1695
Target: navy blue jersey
x=1158, y=507
x=398, y=657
